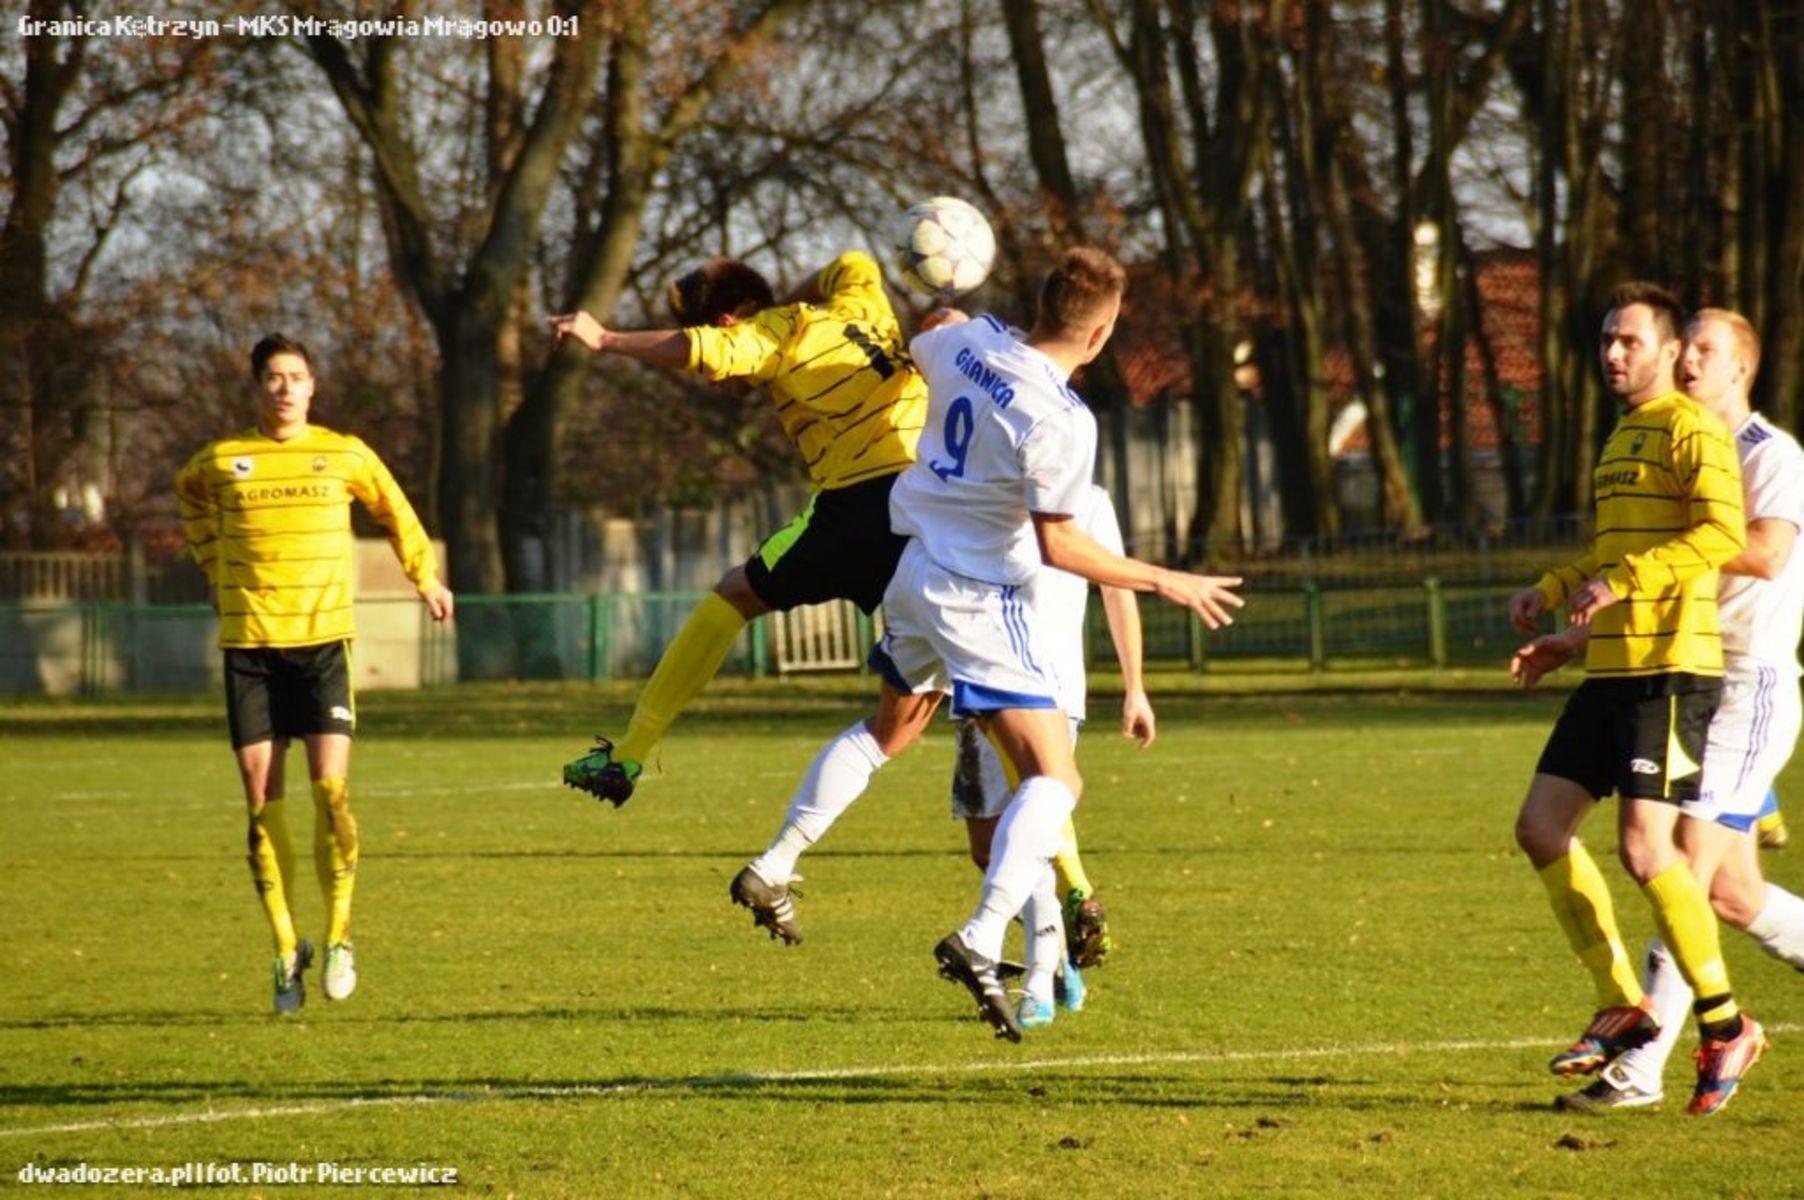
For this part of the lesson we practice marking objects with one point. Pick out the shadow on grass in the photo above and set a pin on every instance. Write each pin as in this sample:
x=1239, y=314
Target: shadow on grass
x=1280, y=1097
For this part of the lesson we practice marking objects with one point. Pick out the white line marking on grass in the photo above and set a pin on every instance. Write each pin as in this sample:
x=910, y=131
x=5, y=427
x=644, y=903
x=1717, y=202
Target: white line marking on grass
x=702, y=1083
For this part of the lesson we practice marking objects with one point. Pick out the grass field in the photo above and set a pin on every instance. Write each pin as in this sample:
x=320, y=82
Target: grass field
x=1334, y=974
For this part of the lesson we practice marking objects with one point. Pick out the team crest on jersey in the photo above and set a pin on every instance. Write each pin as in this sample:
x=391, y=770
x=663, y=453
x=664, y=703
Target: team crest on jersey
x=319, y=463
x=1635, y=446
x=241, y=468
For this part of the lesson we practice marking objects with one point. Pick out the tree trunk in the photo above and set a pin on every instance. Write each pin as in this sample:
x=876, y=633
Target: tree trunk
x=469, y=387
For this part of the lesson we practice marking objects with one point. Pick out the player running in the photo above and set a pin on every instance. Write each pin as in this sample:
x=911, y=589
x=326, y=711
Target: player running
x=1061, y=944
x=847, y=396
x=267, y=515
x=1761, y=606
x=1669, y=515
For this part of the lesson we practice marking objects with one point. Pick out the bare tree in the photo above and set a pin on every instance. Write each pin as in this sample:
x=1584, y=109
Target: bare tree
x=81, y=127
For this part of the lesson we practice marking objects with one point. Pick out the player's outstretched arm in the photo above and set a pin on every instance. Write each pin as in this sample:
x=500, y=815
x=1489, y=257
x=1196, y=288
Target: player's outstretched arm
x=1065, y=546
x=659, y=347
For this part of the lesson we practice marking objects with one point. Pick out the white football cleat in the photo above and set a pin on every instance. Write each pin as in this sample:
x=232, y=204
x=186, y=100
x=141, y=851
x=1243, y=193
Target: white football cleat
x=340, y=974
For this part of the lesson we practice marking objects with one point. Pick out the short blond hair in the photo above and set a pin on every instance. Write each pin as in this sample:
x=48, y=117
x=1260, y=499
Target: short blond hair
x=1079, y=289
x=1747, y=342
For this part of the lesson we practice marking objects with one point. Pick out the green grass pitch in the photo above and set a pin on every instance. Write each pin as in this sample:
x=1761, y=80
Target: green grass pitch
x=1334, y=972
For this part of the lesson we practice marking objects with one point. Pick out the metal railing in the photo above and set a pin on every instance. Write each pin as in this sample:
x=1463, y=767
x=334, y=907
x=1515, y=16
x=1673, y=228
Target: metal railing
x=93, y=649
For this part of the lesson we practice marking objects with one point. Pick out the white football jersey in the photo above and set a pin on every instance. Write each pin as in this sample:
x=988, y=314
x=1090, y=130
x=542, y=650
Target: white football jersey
x=1761, y=618
x=1061, y=599
x=1005, y=436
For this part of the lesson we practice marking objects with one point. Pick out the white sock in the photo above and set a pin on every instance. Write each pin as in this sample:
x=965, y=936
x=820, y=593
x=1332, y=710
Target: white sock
x=1779, y=928
x=1043, y=921
x=837, y=776
x=1026, y=839
x=1666, y=987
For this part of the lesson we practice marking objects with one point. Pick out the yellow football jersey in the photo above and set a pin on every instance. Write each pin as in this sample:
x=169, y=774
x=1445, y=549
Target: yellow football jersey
x=1669, y=513
x=270, y=524
x=839, y=373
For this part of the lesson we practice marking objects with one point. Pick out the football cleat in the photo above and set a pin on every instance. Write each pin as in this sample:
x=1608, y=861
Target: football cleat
x=1087, y=940
x=1722, y=1062
x=771, y=905
x=1612, y=1033
x=1612, y=1089
x=339, y=976
x=960, y=964
x=1035, y=1013
x=599, y=775
x=1772, y=832
x=291, y=988
x=1069, y=988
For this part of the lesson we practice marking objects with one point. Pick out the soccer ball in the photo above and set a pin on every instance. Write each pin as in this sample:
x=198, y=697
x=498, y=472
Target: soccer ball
x=944, y=247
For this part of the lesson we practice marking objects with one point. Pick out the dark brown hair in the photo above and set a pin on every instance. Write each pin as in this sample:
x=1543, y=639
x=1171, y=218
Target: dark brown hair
x=1082, y=285
x=1669, y=314
x=719, y=287
x=273, y=345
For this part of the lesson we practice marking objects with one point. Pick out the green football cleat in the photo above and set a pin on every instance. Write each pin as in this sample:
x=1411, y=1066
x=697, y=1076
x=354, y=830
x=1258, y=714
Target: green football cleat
x=1087, y=940
x=291, y=987
x=598, y=774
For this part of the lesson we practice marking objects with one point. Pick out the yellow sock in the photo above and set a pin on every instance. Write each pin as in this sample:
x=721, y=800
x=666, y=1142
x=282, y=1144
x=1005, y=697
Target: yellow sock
x=1581, y=903
x=1682, y=909
x=1068, y=865
x=689, y=662
x=272, y=865
x=335, y=854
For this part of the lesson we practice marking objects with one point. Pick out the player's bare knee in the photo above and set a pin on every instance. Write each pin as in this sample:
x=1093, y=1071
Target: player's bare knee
x=1542, y=844
x=736, y=590
x=899, y=720
x=1642, y=859
x=1735, y=904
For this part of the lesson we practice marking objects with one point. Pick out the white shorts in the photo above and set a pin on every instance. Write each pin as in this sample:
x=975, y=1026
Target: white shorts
x=1751, y=738
x=980, y=786
x=944, y=632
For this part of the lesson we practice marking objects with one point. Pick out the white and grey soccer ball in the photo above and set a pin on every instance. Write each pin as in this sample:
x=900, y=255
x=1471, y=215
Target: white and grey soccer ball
x=944, y=247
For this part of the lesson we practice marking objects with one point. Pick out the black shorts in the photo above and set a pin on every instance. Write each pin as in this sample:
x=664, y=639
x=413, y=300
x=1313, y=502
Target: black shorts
x=1641, y=737
x=286, y=693
x=840, y=548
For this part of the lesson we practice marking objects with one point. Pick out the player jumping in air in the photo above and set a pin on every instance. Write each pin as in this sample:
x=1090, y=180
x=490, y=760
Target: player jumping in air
x=1005, y=459
x=267, y=515
x=1060, y=944
x=833, y=361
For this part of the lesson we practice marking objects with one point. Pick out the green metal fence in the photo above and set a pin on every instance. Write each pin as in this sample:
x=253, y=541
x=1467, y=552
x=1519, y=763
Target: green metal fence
x=95, y=649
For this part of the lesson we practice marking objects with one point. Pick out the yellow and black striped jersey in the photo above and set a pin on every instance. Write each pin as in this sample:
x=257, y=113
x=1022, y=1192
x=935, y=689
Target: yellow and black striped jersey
x=270, y=523
x=838, y=372
x=1669, y=513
